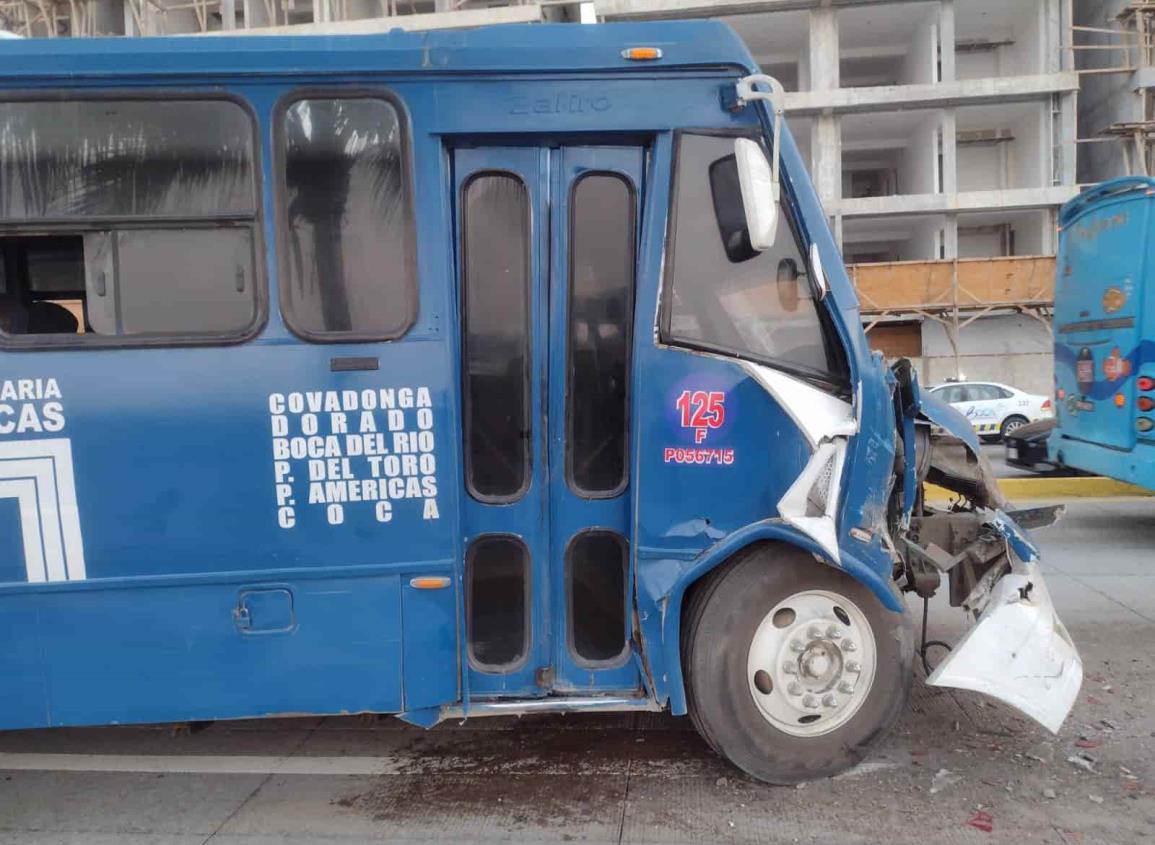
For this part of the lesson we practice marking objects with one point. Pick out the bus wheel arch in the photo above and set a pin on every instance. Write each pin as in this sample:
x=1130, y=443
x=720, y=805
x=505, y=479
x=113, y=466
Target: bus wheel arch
x=838, y=663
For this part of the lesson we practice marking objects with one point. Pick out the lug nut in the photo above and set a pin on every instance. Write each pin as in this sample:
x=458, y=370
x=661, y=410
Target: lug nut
x=834, y=632
x=794, y=688
x=813, y=632
x=849, y=646
x=829, y=700
x=853, y=666
x=810, y=702
x=797, y=646
x=789, y=669
x=846, y=688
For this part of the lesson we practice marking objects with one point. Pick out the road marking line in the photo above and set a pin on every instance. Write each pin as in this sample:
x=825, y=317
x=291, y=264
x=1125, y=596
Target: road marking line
x=198, y=764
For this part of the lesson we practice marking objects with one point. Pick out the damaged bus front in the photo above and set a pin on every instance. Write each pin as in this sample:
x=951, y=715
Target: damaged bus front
x=827, y=662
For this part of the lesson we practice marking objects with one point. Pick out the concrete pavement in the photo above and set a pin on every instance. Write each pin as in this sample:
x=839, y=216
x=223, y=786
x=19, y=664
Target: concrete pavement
x=642, y=777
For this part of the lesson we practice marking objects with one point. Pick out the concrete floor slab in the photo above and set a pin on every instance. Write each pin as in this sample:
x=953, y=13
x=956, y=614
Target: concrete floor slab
x=120, y=803
x=439, y=808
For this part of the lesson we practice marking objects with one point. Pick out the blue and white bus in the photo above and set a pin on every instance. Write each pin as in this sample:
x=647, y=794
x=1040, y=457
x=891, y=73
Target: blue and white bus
x=460, y=374
x=1105, y=333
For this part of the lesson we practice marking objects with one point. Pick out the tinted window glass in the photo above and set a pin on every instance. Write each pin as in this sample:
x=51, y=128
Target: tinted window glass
x=207, y=284
x=82, y=182
x=349, y=244
x=112, y=158
x=497, y=595
x=724, y=295
x=597, y=596
x=600, y=314
x=495, y=272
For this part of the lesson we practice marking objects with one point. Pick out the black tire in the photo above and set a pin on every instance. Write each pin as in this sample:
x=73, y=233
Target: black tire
x=720, y=619
x=1011, y=423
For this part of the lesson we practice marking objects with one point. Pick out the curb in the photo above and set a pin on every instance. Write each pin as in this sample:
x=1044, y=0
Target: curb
x=1078, y=487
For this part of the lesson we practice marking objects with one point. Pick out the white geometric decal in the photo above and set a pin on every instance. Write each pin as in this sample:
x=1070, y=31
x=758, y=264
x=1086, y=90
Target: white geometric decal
x=38, y=474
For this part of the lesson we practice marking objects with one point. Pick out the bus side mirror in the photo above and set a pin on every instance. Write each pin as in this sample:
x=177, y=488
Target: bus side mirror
x=760, y=192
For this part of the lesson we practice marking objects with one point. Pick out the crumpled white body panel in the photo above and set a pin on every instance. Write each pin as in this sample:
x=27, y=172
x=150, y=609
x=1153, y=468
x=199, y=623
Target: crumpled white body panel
x=1018, y=652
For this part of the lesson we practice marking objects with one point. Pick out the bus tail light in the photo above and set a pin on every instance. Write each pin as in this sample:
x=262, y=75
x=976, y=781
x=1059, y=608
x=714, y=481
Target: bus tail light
x=1145, y=382
x=1145, y=403
x=1144, y=423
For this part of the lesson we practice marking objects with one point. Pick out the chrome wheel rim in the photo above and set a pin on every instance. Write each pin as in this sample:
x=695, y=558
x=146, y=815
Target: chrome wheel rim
x=1012, y=426
x=811, y=663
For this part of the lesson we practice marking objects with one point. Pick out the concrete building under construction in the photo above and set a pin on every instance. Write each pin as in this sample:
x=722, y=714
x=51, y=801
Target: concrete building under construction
x=941, y=136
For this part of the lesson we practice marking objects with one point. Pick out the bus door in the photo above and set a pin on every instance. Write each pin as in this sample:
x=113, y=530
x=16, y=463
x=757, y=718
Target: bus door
x=1098, y=320
x=546, y=268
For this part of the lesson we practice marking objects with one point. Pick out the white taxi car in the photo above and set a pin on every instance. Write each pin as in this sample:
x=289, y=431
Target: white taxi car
x=995, y=410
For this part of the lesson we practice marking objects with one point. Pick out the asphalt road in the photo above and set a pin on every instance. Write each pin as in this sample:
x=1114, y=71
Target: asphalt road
x=643, y=778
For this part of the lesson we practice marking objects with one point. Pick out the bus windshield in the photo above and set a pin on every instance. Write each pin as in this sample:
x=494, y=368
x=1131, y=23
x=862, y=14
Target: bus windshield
x=725, y=295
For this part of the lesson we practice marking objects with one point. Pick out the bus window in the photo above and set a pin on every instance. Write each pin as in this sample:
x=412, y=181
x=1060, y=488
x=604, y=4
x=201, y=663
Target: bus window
x=496, y=281
x=724, y=295
x=348, y=241
x=600, y=313
x=127, y=218
x=596, y=564
x=497, y=602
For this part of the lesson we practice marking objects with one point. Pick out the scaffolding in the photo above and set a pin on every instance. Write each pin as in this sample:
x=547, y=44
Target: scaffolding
x=955, y=293
x=1128, y=46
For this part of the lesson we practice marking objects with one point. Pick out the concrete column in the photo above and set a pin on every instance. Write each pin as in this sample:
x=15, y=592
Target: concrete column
x=949, y=153
x=826, y=157
x=950, y=236
x=257, y=15
x=946, y=39
x=823, y=52
x=825, y=138
x=1066, y=146
x=108, y=17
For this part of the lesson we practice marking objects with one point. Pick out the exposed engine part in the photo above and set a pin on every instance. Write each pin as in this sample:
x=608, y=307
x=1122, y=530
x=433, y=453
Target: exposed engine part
x=954, y=465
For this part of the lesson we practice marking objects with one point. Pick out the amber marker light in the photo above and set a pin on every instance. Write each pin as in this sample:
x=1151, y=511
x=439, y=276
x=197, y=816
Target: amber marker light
x=429, y=582
x=1120, y=400
x=642, y=54
x=1145, y=403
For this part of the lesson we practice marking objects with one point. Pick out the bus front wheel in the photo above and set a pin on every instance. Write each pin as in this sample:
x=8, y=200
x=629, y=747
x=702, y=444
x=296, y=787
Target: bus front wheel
x=793, y=669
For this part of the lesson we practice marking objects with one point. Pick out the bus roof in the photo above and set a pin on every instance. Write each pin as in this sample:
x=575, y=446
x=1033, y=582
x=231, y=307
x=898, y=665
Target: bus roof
x=516, y=48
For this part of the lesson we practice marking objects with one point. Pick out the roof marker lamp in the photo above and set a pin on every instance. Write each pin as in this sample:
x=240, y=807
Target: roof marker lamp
x=642, y=54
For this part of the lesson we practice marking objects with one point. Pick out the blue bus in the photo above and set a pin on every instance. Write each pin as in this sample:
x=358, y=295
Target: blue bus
x=460, y=374
x=1104, y=328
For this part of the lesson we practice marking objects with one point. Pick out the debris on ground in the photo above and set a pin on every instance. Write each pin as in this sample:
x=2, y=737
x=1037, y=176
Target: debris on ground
x=1097, y=799
x=982, y=820
x=942, y=779
x=1085, y=742
x=1049, y=793
x=1084, y=762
